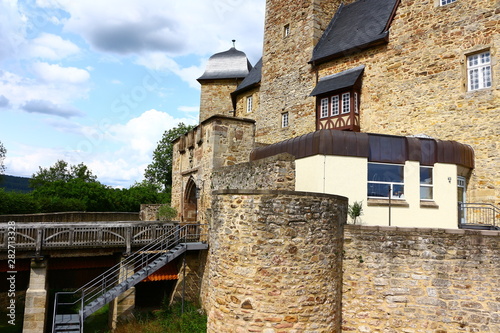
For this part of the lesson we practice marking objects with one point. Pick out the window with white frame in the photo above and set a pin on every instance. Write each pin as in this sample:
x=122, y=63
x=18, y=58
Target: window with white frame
x=346, y=102
x=446, y=2
x=385, y=180
x=335, y=105
x=249, y=103
x=426, y=183
x=284, y=119
x=479, y=71
x=324, y=108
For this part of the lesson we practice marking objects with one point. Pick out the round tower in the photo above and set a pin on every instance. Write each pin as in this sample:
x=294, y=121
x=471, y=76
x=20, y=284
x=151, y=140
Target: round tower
x=224, y=72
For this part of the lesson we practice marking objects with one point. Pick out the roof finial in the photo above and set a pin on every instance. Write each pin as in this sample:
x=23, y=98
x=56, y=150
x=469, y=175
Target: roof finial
x=234, y=43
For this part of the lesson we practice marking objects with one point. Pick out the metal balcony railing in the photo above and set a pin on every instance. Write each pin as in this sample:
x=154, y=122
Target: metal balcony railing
x=478, y=215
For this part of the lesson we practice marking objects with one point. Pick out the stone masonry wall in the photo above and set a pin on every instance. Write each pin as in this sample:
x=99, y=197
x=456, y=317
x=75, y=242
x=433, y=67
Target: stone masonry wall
x=275, y=173
x=216, y=97
x=274, y=262
x=420, y=280
x=217, y=142
x=417, y=83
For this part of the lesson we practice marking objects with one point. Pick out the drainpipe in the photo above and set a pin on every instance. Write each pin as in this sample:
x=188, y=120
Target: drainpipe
x=390, y=205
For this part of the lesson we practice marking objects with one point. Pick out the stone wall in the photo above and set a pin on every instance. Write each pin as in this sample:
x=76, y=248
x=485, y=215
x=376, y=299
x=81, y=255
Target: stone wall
x=216, y=97
x=276, y=173
x=274, y=262
x=420, y=280
x=217, y=142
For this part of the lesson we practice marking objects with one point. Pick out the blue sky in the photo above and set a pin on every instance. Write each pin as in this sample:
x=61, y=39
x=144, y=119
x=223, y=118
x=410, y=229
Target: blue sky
x=99, y=82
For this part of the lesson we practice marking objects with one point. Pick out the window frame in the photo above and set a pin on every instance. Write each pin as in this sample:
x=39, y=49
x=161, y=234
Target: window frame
x=249, y=103
x=426, y=185
x=480, y=80
x=285, y=120
x=446, y=2
x=392, y=184
x=324, y=107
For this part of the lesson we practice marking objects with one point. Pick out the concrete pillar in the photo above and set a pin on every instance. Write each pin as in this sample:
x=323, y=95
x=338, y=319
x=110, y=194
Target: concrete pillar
x=36, y=298
x=122, y=306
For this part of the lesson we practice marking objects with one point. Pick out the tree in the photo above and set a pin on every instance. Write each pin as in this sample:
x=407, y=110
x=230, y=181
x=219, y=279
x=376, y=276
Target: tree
x=60, y=172
x=3, y=152
x=160, y=170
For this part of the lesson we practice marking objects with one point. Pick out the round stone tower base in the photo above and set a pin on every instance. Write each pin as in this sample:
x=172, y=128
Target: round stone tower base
x=275, y=262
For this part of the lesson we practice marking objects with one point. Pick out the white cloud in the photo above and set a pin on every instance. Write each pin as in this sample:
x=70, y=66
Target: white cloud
x=52, y=47
x=189, y=109
x=141, y=134
x=55, y=73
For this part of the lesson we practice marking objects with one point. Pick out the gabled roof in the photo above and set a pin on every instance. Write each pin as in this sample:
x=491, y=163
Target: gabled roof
x=355, y=27
x=252, y=79
x=230, y=64
x=342, y=80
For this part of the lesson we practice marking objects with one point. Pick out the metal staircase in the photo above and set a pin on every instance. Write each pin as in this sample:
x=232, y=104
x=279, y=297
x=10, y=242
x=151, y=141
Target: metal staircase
x=72, y=308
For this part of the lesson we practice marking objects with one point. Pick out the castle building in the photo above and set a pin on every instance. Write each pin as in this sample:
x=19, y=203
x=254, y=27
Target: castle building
x=393, y=104
x=405, y=93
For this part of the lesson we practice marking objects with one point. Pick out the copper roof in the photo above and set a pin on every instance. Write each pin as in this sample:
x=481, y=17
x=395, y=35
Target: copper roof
x=375, y=147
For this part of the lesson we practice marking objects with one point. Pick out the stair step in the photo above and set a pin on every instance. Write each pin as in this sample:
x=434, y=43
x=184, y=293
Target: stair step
x=65, y=319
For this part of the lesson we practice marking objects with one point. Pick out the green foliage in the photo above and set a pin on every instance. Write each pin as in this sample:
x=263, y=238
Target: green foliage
x=355, y=210
x=60, y=172
x=166, y=213
x=191, y=321
x=17, y=203
x=160, y=170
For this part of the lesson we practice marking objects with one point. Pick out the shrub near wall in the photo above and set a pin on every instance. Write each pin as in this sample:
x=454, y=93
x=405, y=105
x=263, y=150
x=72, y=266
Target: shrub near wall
x=421, y=280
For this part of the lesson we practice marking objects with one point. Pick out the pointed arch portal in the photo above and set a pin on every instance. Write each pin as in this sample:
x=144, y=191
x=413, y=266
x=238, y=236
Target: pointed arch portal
x=190, y=202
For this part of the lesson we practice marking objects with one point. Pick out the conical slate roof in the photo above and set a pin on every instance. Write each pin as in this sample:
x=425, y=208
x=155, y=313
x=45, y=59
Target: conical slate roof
x=227, y=65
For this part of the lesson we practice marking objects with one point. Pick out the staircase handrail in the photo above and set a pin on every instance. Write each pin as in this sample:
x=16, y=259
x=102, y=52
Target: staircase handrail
x=138, y=260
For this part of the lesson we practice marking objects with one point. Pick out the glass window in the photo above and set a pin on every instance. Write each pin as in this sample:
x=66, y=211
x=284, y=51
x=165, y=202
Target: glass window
x=426, y=183
x=324, y=108
x=479, y=71
x=356, y=110
x=249, y=103
x=385, y=180
x=286, y=30
x=445, y=2
x=346, y=102
x=335, y=105
x=284, y=119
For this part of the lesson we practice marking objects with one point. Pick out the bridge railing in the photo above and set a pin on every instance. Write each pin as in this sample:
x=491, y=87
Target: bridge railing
x=38, y=236
x=121, y=272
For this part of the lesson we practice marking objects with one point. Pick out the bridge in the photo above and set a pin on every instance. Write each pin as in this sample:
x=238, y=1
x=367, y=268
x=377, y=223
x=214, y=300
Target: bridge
x=146, y=247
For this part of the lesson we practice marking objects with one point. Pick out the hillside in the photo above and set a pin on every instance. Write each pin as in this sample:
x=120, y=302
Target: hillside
x=14, y=183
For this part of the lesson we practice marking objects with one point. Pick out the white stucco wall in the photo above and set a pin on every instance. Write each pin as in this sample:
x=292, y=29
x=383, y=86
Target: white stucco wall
x=347, y=176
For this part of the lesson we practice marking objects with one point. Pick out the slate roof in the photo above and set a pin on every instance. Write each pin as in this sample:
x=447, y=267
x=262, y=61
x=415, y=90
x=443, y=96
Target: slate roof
x=354, y=27
x=338, y=81
x=227, y=65
x=252, y=79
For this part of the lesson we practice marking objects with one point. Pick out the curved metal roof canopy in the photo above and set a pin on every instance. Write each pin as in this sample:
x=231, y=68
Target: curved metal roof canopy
x=375, y=147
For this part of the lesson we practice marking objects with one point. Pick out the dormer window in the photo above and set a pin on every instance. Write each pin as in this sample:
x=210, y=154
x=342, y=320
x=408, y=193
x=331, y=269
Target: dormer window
x=337, y=100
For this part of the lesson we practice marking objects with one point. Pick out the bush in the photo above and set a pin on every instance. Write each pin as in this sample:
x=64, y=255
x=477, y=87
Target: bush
x=166, y=213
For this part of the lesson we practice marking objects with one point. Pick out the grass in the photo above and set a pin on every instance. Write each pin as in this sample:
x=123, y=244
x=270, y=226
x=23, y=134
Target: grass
x=167, y=320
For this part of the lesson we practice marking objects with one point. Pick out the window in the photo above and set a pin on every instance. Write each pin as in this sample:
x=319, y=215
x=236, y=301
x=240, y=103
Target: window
x=356, y=110
x=479, y=71
x=346, y=103
x=249, y=103
x=335, y=105
x=426, y=183
x=286, y=30
x=385, y=180
x=284, y=119
x=445, y=2
x=324, y=108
